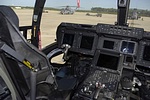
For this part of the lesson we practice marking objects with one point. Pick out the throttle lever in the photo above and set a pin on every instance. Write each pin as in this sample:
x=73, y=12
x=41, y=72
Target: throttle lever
x=99, y=86
x=136, y=81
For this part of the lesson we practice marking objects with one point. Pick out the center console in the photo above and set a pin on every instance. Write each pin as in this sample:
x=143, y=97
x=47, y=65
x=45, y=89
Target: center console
x=99, y=84
x=103, y=80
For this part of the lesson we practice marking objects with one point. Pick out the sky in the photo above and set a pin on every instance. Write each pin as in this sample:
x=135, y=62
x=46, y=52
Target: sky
x=85, y=4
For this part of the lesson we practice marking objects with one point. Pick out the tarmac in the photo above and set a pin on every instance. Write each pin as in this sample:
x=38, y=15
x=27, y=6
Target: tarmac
x=52, y=19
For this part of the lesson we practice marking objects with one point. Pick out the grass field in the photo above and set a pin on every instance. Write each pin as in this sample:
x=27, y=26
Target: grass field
x=52, y=19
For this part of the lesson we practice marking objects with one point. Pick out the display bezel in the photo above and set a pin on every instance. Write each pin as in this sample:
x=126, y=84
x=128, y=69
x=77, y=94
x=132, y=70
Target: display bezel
x=140, y=60
x=96, y=58
x=90, y=51
x=87, y=42
x=108, y=44
x=60, y=37
x=127, y=52
x=115, y=46
x=70, y=39
x=76, y=45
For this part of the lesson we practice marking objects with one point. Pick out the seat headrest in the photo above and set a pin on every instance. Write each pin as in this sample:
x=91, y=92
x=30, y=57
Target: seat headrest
x=9, y=14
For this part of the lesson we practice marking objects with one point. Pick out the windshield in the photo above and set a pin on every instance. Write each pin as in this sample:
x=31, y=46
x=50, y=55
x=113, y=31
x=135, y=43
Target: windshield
x=79, y=11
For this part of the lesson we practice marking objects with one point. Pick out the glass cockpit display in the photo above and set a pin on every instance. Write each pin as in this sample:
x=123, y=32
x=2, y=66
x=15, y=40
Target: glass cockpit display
x=128, y=47
x=146, y=53
x=108, y=61
x=68, y=39
x=87, y=42
x=108, y=44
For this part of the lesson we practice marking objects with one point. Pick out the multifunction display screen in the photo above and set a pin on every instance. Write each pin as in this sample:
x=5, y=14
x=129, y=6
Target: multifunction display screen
x=146, y=53
x=108, y=44
x=87, y=42
x=108, y=61
x=128, y=47
x=68, y=39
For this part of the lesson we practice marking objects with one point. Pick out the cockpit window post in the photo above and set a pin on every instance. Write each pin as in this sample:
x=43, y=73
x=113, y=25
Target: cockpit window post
x=123, y=8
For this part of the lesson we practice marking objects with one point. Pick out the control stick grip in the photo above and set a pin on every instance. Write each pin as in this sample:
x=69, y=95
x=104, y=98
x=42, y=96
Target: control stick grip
x=66, y=48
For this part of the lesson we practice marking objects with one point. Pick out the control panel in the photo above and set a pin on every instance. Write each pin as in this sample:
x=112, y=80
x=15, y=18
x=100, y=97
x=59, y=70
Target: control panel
x=107, y=79
x=99, y=82
x=121, y=31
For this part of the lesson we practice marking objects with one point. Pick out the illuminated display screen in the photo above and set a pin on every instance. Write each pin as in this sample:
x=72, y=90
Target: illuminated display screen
x=87, y=42
x=68, y=39
x=108, y=61
x=127, y=47
x=146, y=53
x=108, y=44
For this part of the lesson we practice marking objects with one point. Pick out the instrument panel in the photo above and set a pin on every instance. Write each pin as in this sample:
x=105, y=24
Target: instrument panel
x=116, y=51
x=87, y=38
x=127, y=43
x=110, y=52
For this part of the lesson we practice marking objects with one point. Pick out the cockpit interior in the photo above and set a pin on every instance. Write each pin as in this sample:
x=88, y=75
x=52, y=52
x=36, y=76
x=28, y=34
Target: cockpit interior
x=100, y=62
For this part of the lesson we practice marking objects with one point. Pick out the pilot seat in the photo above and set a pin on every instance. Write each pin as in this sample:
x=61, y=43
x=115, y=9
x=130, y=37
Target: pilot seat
x=37, y=84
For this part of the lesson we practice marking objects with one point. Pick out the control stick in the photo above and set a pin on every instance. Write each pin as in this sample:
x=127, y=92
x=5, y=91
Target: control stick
x=66, y=48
